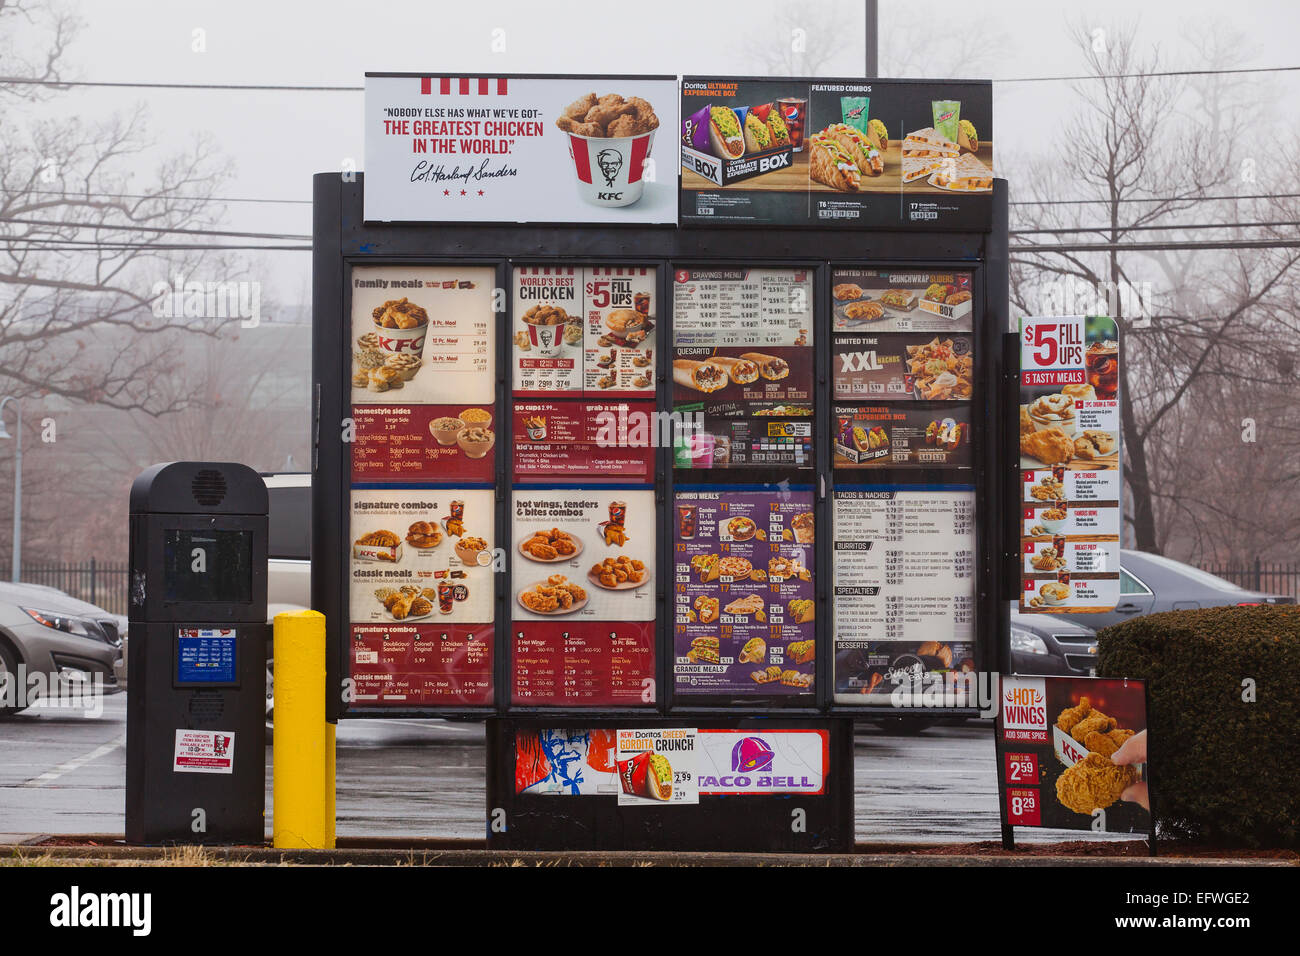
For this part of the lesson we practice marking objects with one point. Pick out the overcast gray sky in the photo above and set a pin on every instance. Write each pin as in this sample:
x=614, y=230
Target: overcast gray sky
x=278, y=139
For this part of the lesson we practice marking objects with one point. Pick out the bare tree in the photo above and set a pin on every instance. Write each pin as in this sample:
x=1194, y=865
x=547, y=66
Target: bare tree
x=1145, y=149
x=802, y=38
x=82, y=243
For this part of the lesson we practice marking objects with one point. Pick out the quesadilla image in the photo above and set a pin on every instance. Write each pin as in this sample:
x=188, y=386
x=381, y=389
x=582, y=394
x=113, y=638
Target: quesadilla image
x=929, y=139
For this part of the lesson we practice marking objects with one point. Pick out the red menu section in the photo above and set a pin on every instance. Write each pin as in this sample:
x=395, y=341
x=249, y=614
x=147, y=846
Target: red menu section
x=572, y=664
x=422, y=665
x=422, y=443
x=591, y=440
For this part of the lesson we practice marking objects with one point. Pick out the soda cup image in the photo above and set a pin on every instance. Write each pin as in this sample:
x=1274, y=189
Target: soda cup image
x=609, y=169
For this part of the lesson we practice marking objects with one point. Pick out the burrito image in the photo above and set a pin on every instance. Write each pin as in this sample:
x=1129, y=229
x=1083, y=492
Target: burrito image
x=702, y=376
x=771, y=367
x=647, y=775
x=739, y=370
x=724, y=133
x=857, y=145
x=830, y=165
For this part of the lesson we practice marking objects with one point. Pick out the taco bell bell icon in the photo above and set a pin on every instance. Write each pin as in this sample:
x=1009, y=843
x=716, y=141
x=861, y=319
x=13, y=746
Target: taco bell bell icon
x=751, y=755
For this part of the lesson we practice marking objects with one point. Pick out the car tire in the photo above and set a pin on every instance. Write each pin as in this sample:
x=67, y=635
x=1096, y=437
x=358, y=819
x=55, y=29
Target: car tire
x=8, y=672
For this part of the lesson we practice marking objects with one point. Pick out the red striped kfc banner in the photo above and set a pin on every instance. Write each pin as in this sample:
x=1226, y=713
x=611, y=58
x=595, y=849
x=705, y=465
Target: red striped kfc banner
x=520, y=149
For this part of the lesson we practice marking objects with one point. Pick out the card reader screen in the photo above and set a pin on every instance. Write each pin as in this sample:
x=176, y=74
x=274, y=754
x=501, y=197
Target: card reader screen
x=208, y=567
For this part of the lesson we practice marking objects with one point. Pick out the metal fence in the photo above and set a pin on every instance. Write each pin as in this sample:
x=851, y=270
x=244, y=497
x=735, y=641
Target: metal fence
x=101, y=583
x=1264, y=576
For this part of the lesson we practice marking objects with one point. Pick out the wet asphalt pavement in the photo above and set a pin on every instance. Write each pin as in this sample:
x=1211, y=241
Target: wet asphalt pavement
x=63, y=773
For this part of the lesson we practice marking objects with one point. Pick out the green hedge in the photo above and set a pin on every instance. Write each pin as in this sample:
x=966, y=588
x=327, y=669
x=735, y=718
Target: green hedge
x=1223, y=770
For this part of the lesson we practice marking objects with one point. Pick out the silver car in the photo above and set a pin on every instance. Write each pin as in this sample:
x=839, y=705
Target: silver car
x=49, y=641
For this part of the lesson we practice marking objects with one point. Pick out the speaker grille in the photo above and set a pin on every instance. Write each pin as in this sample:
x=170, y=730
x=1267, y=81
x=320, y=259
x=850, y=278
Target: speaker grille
x=206, y=705
x=209, y=487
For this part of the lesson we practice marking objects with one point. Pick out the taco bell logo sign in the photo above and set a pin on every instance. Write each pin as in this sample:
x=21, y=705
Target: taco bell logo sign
x=751, y=755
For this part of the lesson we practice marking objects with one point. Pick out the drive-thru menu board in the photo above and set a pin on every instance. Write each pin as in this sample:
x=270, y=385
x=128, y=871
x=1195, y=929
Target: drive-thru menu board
x=742, y=367
x=422, y=516
x=744, y=602
x=423, y=373
x=1070, y=464
x=904, y=590
x=903, y=379
x=827, y=152
x=584, y=601
x=583, y=523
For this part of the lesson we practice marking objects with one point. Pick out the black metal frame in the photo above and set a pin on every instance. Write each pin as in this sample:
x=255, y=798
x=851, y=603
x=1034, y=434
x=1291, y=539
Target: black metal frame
x=342, y=239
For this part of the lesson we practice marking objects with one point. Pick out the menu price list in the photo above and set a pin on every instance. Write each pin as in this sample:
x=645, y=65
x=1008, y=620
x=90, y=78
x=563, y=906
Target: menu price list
x=742, y=307
x=420, y=443
x=744, y=598
x=558, y=664
x=596, y=441
x=904, y=572
x=422, y=665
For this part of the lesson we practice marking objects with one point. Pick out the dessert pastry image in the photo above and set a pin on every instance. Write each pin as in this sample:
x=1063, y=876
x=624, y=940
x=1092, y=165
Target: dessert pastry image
x=1093, y=444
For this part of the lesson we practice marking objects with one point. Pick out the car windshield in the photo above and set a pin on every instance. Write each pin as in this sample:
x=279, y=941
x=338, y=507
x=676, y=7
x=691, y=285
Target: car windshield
x=1203, y=578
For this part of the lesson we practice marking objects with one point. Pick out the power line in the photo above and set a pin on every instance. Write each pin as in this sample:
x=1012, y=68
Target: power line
x=1162, y=246
x=83, y=195
x=299, y=88
x=1107, y=202
x=1170, y=228
x=72, y=245
x=152, y=229
x=237, y=87
x=1133, y=76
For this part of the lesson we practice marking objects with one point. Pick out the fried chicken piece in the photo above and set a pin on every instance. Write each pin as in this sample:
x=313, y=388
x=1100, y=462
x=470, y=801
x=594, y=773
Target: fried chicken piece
x=643, y=108
x=1050, y=446
x=1072, y=715
x=579, y=107
x=604, y=115
x=1095, y=721
x=628, y=125
x=570, y=125
x=1093, y=783
x=1100, y=743
x=1119, y=735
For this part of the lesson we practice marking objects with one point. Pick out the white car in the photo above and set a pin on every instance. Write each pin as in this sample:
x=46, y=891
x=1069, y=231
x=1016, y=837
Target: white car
x=288, y=579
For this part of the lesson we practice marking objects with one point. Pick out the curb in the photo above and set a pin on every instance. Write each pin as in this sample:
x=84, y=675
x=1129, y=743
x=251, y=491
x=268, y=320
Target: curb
x=471, y=854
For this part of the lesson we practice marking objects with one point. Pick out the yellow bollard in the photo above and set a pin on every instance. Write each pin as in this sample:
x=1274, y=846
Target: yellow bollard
x=299, y=758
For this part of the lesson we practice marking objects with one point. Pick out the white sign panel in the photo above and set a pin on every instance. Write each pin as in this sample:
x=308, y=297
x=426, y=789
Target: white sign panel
x=204, y=751
x=513, y=149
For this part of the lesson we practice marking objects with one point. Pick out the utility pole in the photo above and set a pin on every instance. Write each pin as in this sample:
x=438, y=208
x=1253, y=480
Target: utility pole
x=18, y=481
x=872, y=10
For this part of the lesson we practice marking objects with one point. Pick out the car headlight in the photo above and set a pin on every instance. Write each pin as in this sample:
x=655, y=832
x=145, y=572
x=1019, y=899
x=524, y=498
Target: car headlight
x=1027, y=642
x=62, y=622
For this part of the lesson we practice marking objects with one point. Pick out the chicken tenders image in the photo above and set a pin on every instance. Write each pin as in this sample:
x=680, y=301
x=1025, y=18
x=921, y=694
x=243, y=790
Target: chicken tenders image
x=1093, y=783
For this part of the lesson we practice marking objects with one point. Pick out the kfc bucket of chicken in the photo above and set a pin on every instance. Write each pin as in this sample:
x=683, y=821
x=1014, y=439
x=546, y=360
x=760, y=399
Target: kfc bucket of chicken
x=610, y=139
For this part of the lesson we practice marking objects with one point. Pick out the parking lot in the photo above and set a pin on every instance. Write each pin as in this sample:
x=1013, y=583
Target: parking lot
x=61, y=773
